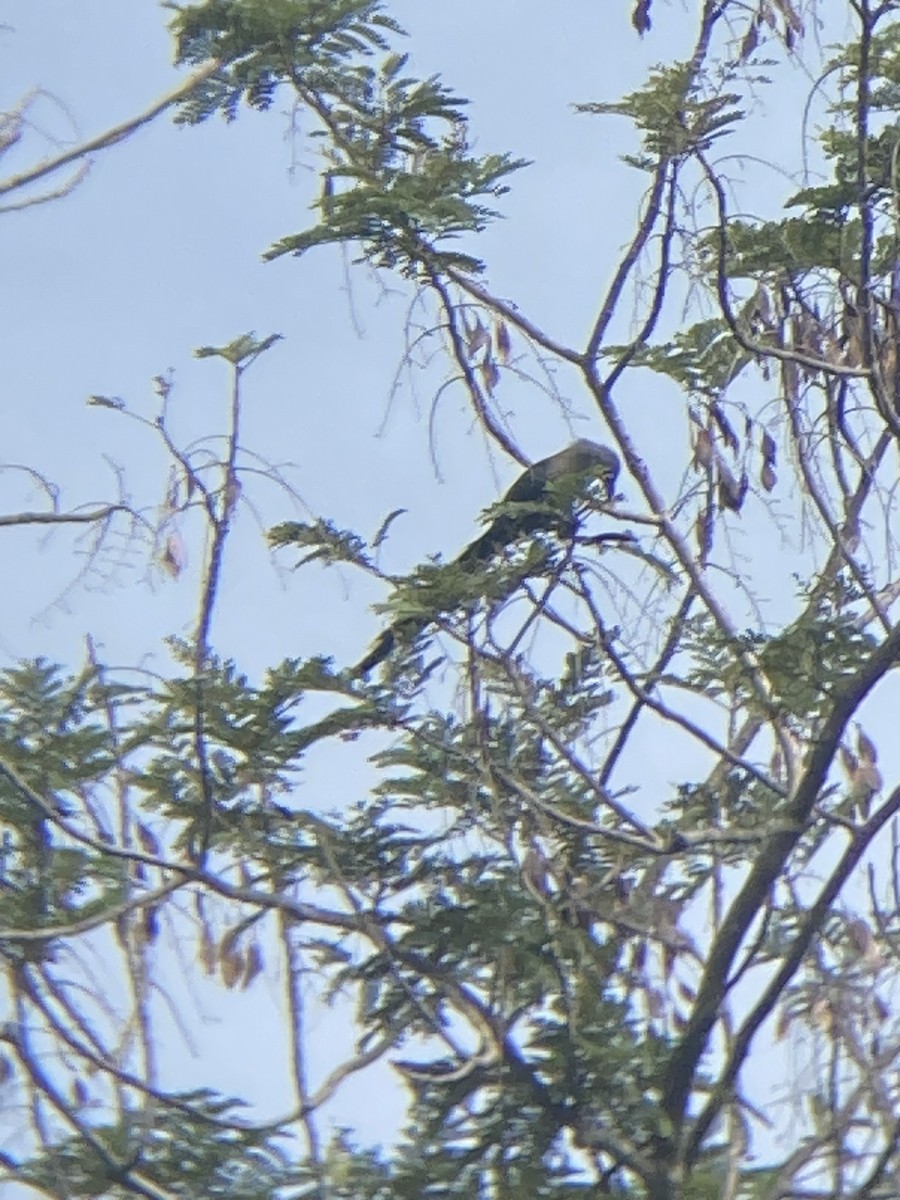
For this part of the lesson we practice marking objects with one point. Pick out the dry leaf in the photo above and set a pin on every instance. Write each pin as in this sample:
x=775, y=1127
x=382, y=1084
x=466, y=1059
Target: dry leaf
x=686, y=992
x=869, y=784
x=764, y=307
x=791, y=16
x=490, y=374
x=790, y=380
x=732, y=492
x=750, y=42
x=534, y=873
x=849, y=762
x=860, y=935
x=173, y=557
x=151, y=922
x=147, y=840
x=865, y=747
x=253, y=966
x=863, y=775
x=703, y=449
x=700, y=531
x=229, y=941
x=888, y=357
x=821, y=1014
x=864, y=944
x=171, y=502
x=233, y=966
x=207, y=951
x=503, y=341
x=640, y=16
x=477, y=338
x=729, y=437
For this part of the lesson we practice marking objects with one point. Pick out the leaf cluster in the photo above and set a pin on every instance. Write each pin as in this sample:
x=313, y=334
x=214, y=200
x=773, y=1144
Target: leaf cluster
x=804, y=664
x=397, y=176
x=197, y=1139
x=672, y=113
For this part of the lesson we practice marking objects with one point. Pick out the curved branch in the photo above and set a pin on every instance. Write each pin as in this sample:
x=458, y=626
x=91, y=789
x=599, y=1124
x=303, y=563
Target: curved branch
x=118, y=133
x=812, y=923
x=70, y=518
x=772, y=858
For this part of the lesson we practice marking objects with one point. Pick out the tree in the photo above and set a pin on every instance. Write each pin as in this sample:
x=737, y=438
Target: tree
x=628, y=829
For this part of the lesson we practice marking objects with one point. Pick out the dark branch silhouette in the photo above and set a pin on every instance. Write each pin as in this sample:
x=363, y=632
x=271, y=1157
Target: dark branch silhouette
x=581, y=458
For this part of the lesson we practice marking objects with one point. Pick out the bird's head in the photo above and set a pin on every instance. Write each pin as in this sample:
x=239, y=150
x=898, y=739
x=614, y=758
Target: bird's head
x=591, y=458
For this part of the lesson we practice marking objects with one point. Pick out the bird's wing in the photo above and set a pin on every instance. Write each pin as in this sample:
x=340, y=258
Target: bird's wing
x=582, y=457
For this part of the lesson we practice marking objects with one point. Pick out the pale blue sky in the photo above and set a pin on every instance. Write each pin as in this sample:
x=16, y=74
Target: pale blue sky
x=158, y=252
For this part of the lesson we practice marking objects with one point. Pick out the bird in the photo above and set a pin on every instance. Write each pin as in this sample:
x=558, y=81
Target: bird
x=581, y=459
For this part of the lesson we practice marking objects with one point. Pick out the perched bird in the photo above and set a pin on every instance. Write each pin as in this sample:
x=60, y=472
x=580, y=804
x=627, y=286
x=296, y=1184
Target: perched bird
x=581, y=459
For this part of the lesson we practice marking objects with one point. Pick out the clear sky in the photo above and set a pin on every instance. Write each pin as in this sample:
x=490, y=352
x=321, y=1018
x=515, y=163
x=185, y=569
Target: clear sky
x=158, y=252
